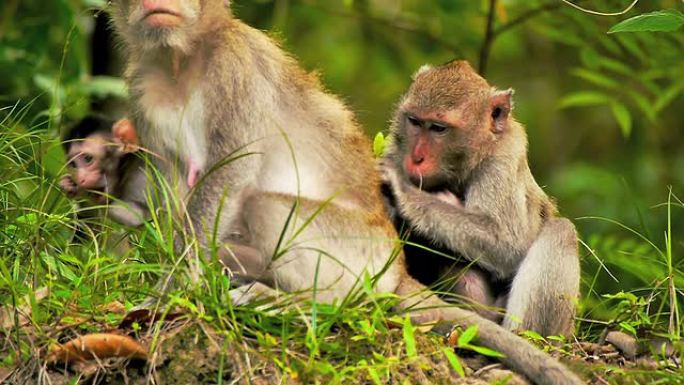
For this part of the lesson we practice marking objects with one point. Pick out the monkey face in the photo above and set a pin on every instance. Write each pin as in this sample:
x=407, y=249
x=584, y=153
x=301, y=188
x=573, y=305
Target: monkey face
x=424, y=142
x=151, y=24
x=449, y=121
x=88, y=161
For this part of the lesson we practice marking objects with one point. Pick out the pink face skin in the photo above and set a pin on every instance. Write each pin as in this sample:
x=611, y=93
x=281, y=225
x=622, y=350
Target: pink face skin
x=162, y=13
x=85, y=159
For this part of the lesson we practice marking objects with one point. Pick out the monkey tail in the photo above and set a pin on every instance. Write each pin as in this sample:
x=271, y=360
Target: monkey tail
x=518, y=353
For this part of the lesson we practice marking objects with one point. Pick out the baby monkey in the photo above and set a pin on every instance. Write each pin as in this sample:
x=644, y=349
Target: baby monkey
x=102, y=165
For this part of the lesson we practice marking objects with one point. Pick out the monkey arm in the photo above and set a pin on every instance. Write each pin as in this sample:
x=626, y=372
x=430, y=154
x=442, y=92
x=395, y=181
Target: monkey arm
x=128, y=213
x=478, y=235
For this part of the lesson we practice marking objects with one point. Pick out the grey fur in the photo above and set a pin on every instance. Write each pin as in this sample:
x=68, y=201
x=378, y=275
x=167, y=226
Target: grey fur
x=507, y=224
x=255, y=99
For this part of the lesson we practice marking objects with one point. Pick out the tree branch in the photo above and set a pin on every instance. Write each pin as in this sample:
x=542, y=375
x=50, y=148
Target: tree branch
x=488, y=39
x=527, y=15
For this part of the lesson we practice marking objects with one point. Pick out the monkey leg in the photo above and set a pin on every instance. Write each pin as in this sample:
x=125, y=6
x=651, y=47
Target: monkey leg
x=319, y=247
x=251, y=291
x=519, y=354
x=245, y=263
x=130, y=214
x=473, y=287
x=544, y=291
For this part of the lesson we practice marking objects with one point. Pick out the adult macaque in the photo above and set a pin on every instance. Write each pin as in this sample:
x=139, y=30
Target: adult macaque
x=454, y=133
x=102, y=165
x=206, y=87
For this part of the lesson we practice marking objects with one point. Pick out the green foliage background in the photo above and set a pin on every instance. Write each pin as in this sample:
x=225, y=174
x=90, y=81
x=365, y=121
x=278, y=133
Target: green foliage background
x=603, y=111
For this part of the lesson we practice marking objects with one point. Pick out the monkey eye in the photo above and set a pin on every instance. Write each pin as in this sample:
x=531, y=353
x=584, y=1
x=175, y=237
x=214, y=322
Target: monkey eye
x=88, y=158
x=438, y=128
x=414, y=121
x=71, y=164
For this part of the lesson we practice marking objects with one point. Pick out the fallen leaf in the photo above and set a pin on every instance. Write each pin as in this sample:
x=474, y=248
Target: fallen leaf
x=115, y=307
x=7, y=319
x=99, y=346
x=147, y=317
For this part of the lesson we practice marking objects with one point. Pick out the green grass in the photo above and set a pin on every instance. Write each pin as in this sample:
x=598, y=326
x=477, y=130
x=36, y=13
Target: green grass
x=53, y=288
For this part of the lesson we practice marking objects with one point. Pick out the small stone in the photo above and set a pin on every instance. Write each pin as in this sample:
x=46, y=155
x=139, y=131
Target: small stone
x=658, y=345
x=623, y=342
x=496, y=375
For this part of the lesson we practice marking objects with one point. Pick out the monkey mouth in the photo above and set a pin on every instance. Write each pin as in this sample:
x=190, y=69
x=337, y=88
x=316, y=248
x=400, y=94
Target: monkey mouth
x=426, y=181
x=162, y=18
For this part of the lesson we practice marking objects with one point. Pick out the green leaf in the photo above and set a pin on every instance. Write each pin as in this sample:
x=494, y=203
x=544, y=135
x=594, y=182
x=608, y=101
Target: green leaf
x=626, y=326
x=667, y=96
x=533, y=335
x=95, y=3
x=623, y=118
x=28, y=219
x=616, y=66
x=409, y=338
x=590, y=58
x=379, y=145
x=467, y=336
x=454, y=361
x=660, y=21
x=374, y=375
x=583, y=99
x=485, y=351
x=644, y=104
x=103, y=86
x=595, y=77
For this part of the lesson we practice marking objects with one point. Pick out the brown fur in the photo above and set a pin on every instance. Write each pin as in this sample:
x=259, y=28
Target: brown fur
x=240, y=92
x=506, y=219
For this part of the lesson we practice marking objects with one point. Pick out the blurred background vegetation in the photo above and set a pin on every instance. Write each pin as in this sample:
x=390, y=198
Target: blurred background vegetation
x=602, y=110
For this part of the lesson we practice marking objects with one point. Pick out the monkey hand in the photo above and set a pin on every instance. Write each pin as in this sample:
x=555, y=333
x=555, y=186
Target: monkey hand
x=68, y=185
x=98, y=197
x=391, y=176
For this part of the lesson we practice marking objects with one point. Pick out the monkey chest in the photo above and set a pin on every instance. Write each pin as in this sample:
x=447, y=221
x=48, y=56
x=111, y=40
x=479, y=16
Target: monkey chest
x=175, y=127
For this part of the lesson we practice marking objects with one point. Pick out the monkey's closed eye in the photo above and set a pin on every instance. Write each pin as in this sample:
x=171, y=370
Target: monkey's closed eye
x=414, y=121
x=438, y=128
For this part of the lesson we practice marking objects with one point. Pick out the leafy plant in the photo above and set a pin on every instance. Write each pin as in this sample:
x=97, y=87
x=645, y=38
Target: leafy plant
x=660, y=21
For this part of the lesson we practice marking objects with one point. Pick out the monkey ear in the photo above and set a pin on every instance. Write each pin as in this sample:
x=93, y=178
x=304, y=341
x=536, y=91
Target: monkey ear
x=501, y=105
x=424, y=68
x=125, y=136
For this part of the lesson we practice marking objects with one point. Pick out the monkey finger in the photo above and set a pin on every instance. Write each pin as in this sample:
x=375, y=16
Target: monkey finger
x=389, y=174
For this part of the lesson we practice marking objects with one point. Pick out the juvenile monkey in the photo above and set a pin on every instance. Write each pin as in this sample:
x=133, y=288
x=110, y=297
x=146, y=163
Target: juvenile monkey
x=205, y=87
x=454, y=133
x=102, y=164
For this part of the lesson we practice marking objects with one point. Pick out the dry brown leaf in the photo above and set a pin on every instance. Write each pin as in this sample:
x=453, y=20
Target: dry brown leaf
x=452, y=339
x=23, y=311
x=114, y=307
x=98, y=345
x=146, y=317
